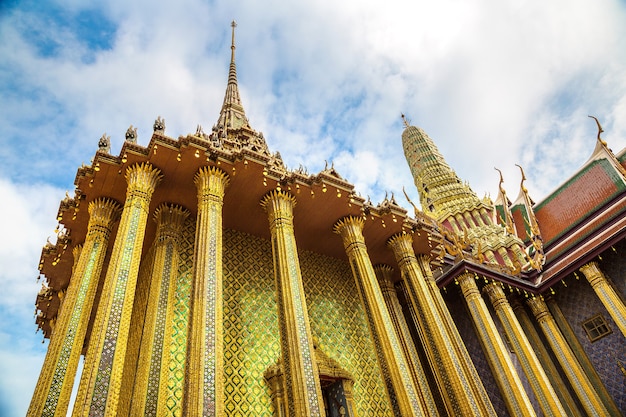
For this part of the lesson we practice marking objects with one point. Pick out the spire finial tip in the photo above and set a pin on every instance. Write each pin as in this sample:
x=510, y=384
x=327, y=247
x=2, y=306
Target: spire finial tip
x=406, y=121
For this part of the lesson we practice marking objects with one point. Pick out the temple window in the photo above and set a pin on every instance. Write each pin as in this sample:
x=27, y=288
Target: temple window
x=596, y=327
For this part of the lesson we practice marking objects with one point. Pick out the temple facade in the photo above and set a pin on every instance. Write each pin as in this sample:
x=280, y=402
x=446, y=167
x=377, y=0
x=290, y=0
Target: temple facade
x=199, y=276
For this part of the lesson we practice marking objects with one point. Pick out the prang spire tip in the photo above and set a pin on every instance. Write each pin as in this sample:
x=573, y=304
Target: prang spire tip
x=233, y=24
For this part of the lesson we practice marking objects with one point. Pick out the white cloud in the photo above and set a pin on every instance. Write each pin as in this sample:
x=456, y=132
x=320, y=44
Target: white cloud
x=29, y=213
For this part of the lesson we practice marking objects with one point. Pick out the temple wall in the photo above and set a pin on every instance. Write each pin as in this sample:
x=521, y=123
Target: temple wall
x=251, y=336
x=578, y=302
x=339, y=324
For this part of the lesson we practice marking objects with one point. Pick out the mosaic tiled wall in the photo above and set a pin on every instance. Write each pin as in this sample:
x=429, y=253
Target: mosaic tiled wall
x=178, y=343
x=251, y=337
x=578, y=302
x=460, y=315
x=339, y=324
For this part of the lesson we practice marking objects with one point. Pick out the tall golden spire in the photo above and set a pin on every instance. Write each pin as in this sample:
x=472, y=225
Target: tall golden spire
x=232, y=115
x=465, y=218
x=441, y=191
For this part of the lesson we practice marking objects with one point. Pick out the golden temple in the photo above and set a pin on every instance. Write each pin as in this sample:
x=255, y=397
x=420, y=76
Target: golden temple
x=200, y=276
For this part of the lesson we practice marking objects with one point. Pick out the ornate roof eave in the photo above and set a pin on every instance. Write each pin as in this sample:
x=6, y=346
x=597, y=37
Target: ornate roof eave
x=455, y=267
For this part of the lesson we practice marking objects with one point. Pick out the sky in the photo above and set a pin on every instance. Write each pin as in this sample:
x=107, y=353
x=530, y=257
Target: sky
x=494, y=83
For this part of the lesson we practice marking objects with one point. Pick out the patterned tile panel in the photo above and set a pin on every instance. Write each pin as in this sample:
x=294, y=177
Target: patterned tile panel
x=578, y=302
x=340, y=326
x=251, y=336
x=174, y=374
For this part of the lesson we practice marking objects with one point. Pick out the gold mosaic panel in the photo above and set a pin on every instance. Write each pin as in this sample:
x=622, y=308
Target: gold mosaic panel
x=178, y=342
x=251, y=338
x=340, y=326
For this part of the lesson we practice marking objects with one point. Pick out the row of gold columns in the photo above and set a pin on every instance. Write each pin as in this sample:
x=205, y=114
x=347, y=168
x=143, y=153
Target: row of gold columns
x=459, y=346
x=302, y=385
x=54, y=387
x=583, y=388
x=400, y=387
x=539, y=382
x=545, y=359
x=508, y=381
x=406, y=383
x=99, y=389
x=464, y=394
x=384, y=274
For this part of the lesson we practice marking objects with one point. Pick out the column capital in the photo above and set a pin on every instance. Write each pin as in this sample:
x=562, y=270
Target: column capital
x=278, y=201
x=143, y=177
x=104, y=211
x=279, y=208
x=170, y=219
x=593, y=273
x=467, y=282
x=402, y=246
x=496, y=295
x=211, y=183
x=384, y=274
x=350, y=226
x=538, y=307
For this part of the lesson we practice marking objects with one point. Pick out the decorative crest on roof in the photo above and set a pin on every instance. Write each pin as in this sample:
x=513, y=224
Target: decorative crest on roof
x=159, y=125
x=104, y=144
x=131, y=134
x=506, y=218
x=603, y=149
x=535, y=251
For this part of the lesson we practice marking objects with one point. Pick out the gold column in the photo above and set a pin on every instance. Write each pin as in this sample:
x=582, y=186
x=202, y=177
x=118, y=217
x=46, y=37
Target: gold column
x=418, y=322
x=544, y=392
x=54, y=387
x=302, y=385
x=204, y=376
x=584, y=390
x=497, y=354
x=567, y=401
x=466, y=361
x=402, y=392
x=100, y=384
x=582, y=357
x=151, y=393
x=384, y=274
x=460, y=395
x=611, y=300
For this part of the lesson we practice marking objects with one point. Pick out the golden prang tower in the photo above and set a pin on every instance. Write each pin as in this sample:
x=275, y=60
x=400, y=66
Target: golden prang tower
x=200, y=276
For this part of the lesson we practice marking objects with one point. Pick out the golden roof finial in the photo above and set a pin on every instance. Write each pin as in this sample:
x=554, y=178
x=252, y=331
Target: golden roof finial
x=600, y=130
x=501, y=181
x=523, y=178
x=415, y=209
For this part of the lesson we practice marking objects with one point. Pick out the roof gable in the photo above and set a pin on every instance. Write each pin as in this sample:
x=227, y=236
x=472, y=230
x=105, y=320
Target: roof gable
x=590, y=189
